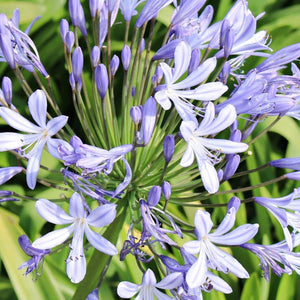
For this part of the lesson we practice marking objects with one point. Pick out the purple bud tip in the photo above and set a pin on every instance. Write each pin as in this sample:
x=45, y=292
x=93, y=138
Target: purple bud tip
x=64, y=28
x=154, y=195
x=77, y=64
x=7, y=90
x=126, y=57
x=136, y=114
x=69, y=40
x=114, y=65
x=149, y=119
x=101, y=78
x=168, y=147
x=7, y=50
x=72, y=82
x=95, y=55
x=166, y=189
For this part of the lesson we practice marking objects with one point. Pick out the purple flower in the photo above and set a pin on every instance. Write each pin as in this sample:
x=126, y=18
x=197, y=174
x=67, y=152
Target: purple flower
x=209, y=255
x=180, y=91
x=126, y=57
x=80, y=225
x=77, y=15
x=37, y=255
x=38, y=135
x=207, y=150
x=151, y=224
x=149, y=286
x=168, y=147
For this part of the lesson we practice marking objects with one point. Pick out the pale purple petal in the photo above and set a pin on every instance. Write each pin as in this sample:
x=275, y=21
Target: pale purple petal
x=56, y=124
x=224, y=146
x=226, y=224
x=225, y=118
x=8, y=172
x=197, y=76
x=17, y=121
x=99, y=242
x=160, y=295
x=37, y=104
x=203, y=223
x=182, y=57
x=206, y=92
x=52, y=212
x=167, y=70
x=238, y=236
x=209, y=175
x=33, y=165
x=188, y=157
x=53, y=238
x=76, y=208
x=219, y=284
x=192, y=247
x=127, y=289
x=53, y=144
x=102, y=215
x=197, y=273
x=11, y=141
x=171, y=281
x=149, y=278
x=76, y=263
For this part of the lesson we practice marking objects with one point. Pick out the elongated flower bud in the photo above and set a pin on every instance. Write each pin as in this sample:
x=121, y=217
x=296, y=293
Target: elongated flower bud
x=7, y=50
x=7, y=89
x=77, y=15
x=149, y=119
x=69, y=39
x=168, y=147
x=95, y=5
x=136, y=114
x=114, y=65
x=166, y=189
x=231, y=166
x=154, y=195
x=101, y=78
x=64, y=28
x=195, y=60
x=126, y=57
x=95, y=55
x=77, y=64
x=288, y=163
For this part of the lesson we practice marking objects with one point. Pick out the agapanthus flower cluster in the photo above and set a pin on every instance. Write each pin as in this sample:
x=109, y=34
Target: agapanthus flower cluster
x=157, y=129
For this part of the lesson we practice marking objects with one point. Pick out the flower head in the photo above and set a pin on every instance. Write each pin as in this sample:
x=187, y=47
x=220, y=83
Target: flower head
x=80, y=225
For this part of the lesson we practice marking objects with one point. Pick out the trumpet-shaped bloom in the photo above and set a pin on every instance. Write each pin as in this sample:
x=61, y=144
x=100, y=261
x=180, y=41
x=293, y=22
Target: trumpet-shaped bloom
x=38, y=135
x=207, y=150
x=209, y=255
x=179, y=92
x=150, y=286
x=80, y=225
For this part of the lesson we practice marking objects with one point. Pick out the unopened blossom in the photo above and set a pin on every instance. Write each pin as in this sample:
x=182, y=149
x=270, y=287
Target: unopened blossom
x=209, y=255
x=179, y=92
x=149, y=286
x=37, y=135
x=79, y=226
x=207, y=150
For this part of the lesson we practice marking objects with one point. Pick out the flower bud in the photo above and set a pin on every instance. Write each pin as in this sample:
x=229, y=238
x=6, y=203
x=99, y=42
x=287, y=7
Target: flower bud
x=114, y=65
x=101, y=78
x=95, y=55
x=69, y=40
x=231, y=166
x=288, y=163
x=77, y=64
x=154, y=195
x=136, y=114
x=64, y=28
x=77, y=15
x=7, y=90
x=168, y=147
x=126, y=57
x=95, y=5
x=166, y=189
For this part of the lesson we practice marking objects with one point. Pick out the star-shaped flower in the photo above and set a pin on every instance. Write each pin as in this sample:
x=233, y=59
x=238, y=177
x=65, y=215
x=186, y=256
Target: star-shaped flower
x=80, y=222
x=38, y=135
x=207, y=150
